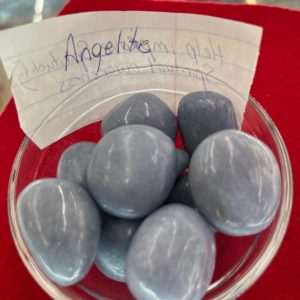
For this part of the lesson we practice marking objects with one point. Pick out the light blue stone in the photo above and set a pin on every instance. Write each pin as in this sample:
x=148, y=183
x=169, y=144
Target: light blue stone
x=172, y=256
x=132, y=170
x=201, y=114
x=74, y=162
x=182, y=160
x=115, y=239
x=235, y=182
x=141, y=108
x=60, y=224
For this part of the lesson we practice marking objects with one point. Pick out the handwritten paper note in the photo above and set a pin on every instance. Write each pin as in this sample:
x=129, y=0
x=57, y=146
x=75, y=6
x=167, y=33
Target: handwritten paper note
x=67, y=72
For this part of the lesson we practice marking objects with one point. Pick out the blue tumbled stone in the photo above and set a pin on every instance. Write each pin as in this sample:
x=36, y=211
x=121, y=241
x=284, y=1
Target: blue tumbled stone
x=235, y=182
x=141, y=108
x=132, y=170
x=201, y=114
x=116, y=236
x=74, y=162
x=181, y=192
x=60, y=224
x=171, y=256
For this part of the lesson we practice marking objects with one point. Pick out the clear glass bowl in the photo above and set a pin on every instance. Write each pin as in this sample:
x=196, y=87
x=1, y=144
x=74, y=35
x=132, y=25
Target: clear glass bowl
x=240, y=261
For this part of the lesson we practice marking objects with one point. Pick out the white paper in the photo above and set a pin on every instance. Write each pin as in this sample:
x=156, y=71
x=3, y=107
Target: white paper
x=68, y=71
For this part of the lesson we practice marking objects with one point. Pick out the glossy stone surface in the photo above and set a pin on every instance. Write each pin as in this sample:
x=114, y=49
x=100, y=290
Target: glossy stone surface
x=181, y=192
x=172, y=256
x=132, y=170
x=60, y=225
x=235, y=182
x=113, y=246
x=74, y=162
x=141, y=108
x=201, y=114
x=182, y=160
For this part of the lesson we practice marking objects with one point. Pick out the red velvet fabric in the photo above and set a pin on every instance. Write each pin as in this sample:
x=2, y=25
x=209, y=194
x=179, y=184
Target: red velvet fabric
x=277, y=88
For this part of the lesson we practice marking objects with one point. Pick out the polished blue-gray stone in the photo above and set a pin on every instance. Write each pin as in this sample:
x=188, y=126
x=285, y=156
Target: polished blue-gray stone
x=132, y=170
x=235, y=182
x=182, y=160
x=116, y=236
x=172, y=256
x=142, y=108
x=74, y=162
x=60, y=224
x=181, y=192
x=203, y=113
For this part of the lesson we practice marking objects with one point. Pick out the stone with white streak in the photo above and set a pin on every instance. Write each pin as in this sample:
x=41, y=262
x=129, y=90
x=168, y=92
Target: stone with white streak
x=235, y=182
x=172, y=256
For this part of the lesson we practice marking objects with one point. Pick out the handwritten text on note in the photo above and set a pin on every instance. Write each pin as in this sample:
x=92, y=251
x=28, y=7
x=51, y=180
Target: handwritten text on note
x=67, y=72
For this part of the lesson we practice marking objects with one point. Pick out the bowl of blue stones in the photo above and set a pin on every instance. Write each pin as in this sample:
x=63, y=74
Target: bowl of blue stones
x=154, y=203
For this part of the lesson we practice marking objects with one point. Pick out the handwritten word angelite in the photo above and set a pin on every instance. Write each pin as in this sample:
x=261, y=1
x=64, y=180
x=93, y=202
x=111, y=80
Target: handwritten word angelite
x=100, y=50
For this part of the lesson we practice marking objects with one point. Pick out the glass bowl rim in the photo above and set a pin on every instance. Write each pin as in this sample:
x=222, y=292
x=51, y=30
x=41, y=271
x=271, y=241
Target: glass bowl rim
x=233, y=291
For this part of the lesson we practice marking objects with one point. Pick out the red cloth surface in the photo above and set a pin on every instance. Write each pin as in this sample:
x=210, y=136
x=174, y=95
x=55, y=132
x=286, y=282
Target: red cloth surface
x=277, y=88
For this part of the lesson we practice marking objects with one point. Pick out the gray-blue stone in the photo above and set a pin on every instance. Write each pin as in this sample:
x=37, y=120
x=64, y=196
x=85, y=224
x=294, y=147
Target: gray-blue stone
x=201, y=114
x=74, y=162
x=181, y=192
x=182, y=160
x=132, y=170
x=60, y=225
x=116, y=236
x=172, y=256
x=141, y=108
x=235, y=182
